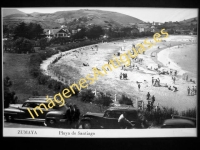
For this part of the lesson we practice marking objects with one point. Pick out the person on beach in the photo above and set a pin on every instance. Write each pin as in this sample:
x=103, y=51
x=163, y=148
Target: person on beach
x=120, y=76
x=153, y=99
x=170, y=72
x=75, y=117
x=139, y=87
x=151, y=105
x=158, y=81
x=195, y=90
x=174, y=79
x=148, y=96
x=124, y=75
x=152, y=80
x=148, y=107
x=175, y=89
x=157, y=107
x=188, y=89
x=175, y=73
x=69, y=114
x=191, y=92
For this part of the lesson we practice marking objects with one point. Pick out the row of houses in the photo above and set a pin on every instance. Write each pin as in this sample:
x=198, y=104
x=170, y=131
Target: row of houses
x=136, y=28
x=64, y=32
x=56, y=33
x=187, y=32
x=146, y=27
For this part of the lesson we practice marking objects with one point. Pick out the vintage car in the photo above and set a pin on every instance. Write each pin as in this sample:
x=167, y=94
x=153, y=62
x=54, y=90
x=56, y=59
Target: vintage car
x=21, y=111
x=56, y=119
x=178, y=123
x=109, y=119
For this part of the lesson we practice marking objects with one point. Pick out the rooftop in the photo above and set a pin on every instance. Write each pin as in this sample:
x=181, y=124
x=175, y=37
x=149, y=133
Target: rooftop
x=178, y=122
x=53, y=31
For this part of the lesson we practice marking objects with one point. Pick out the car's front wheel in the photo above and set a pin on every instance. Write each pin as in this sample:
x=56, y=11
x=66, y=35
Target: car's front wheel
x=86, y=125
x=9, y=118
x=51, y=122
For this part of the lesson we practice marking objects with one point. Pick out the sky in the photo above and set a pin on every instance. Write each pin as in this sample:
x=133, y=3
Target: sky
x=145, y=14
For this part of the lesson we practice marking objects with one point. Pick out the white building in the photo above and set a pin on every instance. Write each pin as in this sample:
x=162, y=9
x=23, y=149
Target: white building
x=56, y=33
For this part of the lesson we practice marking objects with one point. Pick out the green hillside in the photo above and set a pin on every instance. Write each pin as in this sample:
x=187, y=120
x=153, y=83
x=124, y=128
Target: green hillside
x=71, y=18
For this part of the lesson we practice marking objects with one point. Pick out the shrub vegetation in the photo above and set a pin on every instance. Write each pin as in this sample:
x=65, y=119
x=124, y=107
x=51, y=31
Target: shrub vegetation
x=125, y=100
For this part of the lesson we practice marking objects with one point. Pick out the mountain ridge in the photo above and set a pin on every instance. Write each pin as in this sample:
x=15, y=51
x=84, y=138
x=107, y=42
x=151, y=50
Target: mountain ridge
x=85, y=16
x=10, y=11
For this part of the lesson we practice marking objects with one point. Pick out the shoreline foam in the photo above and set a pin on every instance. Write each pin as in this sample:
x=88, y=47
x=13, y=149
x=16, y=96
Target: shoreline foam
x=164, y=57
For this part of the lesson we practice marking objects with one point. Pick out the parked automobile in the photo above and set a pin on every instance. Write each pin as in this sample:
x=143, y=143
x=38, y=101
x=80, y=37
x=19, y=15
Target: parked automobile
x=56, y=119
x=109, y=119
x=178, y=123
x=20, y=111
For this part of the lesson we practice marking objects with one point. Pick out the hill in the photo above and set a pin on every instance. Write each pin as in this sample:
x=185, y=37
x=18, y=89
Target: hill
x=34, y=13
x=11, y=11
x=74, y=19
x=189, y=20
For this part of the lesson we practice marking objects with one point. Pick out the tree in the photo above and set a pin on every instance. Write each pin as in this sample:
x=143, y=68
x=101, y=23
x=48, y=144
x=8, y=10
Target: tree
x=39, y=32
x=5, y=31
x=35, y=72
x=35, y=93
x=95, y=32
x=43, y=79
x=9, y=97
x=87, y=95
x=126, y=31
x=103, y=99
x=80, y=35
x=35, y=31
x=110, y=32
x=30, y=31
x=21, y=30
x=125, y=100
x=8, y=44
x=195, y=29
x=43, y=43
x=23, y=45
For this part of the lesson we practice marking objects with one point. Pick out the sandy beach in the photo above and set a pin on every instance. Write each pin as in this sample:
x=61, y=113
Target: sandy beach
x=111, y=82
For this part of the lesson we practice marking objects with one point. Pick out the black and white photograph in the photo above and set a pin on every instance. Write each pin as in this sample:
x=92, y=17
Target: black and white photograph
x=95, y=72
